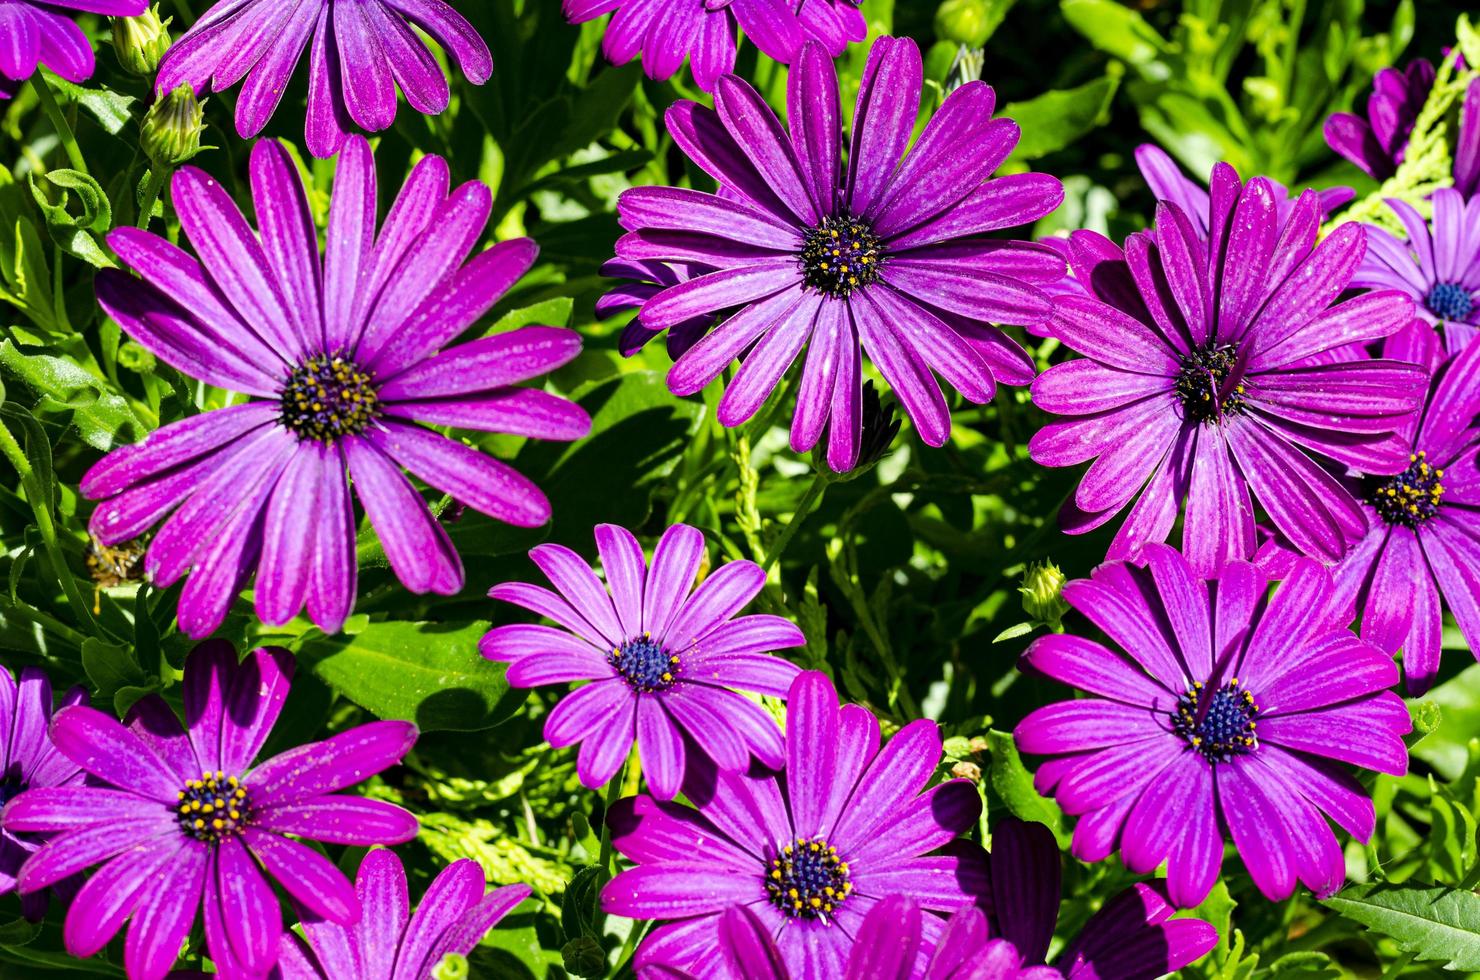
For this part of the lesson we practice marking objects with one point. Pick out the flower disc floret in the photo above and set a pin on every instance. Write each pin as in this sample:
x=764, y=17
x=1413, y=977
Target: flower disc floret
x=1209, y=383
x=840, y=255
x=645, y=664
x=1220, y=725
x=1449, y=301
x=808, y=880
x=329, y=396
x=214, y=807
x=1412, y=497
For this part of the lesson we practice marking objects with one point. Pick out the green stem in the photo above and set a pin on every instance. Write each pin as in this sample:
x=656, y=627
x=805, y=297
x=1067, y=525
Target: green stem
x=59, y=122
x=1399, y=965
x=613, y=793
x=48, y=623
x=38, y=497
x=157, y=179
x=809, y=500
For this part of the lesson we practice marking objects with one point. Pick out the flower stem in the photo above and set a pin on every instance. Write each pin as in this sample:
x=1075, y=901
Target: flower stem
x=157, y=179
x=37, y=496
x=809, y=500
x=613, y=793
x=59, y=122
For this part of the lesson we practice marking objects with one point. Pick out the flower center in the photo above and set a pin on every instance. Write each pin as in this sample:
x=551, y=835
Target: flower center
x=1411, y=497
x=1210, y=383
x=1449, y=301
x=1219, y=724
x=808, y=880
x=644, y=664
x=327, y=397
x=214, y=807
x=840, y=255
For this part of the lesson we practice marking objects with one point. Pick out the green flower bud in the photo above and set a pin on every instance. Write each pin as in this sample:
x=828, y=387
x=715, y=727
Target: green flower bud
x=584, y=957
x=133, y=357
x=1043, y=593
x=967, y=22
x=170, y=134
x=141, y=41
x=452, y=966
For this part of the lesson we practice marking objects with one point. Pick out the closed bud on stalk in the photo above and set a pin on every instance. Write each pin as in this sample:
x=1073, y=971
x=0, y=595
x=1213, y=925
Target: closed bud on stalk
x=452, y=966
x=1043, y=593
x=171, y=131
x=140, y=42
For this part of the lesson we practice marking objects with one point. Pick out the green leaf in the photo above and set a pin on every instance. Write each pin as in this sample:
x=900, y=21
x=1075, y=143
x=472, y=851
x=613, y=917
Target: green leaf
x=1119, y=31
x=429, y=673
x=1307, y=966
x=1056, y=119
x=75, y=234
x=580, y=906
x=1012, y=782
x=1451, y=836
x=1433, y=922
x=553, y=312
x=103, y=418
x=112, y=110
x=111, y=667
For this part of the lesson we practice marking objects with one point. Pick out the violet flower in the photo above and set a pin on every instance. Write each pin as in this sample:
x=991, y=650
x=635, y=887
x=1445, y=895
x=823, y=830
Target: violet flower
x=1422, y=551
x=885, y=256
x=360, y=53
x=1377, y=143
x=809, y=851
x=642, y=280
x=389, y=942
x=1438, y=266
x=28, y=760
x=181, y=821
x=664, y=34
x=1215, y=374
x=661, y=661
x=341, y=357
x=1229, y=710
x=42, y=32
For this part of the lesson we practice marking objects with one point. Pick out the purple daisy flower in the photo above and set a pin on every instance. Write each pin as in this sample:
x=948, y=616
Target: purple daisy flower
x=184, y=822
x=29, y=760
x=341, y=355
x=1438, y=268
x=1213, y=374
x=666, y=32
x=661, y=662
x=360, y=53
x=641, y=282
x=42, y=32
x=885, y=254
x=1467, y=149
x=389, y=942
x=1424, y=542
x=1229, y=709
x=1169, y=183
x=809, y=851
x=1377, y=144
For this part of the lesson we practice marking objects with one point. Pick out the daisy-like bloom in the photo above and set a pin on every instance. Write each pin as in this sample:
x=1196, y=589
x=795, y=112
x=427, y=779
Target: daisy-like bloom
x=665, y=33
x=1438, y=266
x=884, y=252
x=42, y=32
x=1169, y=183
x=28, y=760
x=810, y=851
x=340, y=355
x=360, y=53
x=1377, y=144
x=181, y=820
x=1229, y=709
x=641, y=282
x=1423, y=548
x=389, y=942
x=1214, y=371
x=1131, y=937
x=660, y=661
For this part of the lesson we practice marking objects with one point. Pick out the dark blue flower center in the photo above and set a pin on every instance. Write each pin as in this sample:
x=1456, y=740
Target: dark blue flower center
x=840, y=255
x=1411, y=497
x=644, y=664
x=1210, y=383
x=1449, y=301
x=214, y=807
x=328, y=396
x=1219, y=724
x=808, y=880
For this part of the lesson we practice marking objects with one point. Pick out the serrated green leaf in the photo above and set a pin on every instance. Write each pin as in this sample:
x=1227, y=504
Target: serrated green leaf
x=74, y=234
x=580, y=903
x=103, y=418
x=112, y=110
x=1434, y=922
x=428, y=673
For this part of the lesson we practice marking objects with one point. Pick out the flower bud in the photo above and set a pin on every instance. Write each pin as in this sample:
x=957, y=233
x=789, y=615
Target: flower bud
x=452, y=966
x=967, y=22
x=140, y=42
x=1043, y=593
x=170, y=134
